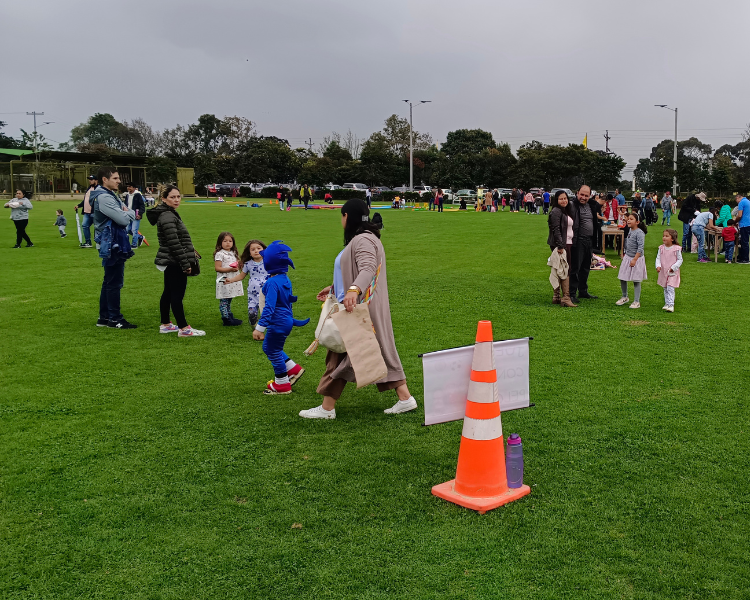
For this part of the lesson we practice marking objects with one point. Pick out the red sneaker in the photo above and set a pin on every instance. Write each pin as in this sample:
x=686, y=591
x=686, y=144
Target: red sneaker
x=273, y=388
x=295, y=373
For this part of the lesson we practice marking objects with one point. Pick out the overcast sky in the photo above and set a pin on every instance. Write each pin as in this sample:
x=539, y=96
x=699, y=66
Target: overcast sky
x=551, y=70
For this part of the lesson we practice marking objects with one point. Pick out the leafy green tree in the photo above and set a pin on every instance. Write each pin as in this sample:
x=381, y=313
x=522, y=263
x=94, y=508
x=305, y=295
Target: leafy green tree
x=467, y=142
x=336, y=153
x=261, y=159
x=603, y=171
x=207, y=135
x=380, y=164
x=101, y=129
x=396, y=133
x=162, y=169
x=28, y=139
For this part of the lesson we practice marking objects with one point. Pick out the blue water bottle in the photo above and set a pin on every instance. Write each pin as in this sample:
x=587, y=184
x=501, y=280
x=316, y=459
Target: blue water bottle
x=514, y=461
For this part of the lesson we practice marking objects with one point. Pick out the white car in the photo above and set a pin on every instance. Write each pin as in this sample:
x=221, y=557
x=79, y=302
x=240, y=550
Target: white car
x=423, y=189
x=358, y=187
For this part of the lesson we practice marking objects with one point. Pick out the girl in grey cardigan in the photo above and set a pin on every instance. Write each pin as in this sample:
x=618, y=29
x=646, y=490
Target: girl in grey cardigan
x=19, y=214
x=633, y=267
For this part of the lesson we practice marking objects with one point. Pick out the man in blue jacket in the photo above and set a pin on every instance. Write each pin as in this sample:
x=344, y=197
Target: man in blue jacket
x=111, y=219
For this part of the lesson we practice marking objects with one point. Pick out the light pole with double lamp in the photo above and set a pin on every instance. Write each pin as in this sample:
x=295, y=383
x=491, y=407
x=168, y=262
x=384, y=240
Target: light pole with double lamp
x=674, y=159
x=411, y=143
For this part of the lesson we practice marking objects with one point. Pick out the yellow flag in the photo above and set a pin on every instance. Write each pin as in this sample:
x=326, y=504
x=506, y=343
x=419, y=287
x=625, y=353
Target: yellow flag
x=586, y=141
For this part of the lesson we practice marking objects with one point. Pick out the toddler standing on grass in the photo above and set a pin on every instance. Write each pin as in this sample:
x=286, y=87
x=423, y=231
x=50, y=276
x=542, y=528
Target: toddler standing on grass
x=61, y=222
x=668, y=263
x=252, y=264
x=633, y=267
x=729, y=235
x=226, y=258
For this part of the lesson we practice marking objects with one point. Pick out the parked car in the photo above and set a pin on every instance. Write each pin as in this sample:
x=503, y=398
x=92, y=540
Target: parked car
x=402, y=189
x=359, y=187
x=470, y=196
x=423, y=189
x=225, y=189
x=379, y=189
x=447, y=194
x=571, y=194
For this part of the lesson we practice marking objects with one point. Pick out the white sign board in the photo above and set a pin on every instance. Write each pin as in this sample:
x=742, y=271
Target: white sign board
x=447, y=372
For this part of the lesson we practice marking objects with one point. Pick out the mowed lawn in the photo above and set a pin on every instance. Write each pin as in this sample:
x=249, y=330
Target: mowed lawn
x=139, y=465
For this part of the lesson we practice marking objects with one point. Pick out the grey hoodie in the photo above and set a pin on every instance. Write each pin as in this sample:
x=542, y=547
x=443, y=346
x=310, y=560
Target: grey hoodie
x=109, y=206
x=22, y=212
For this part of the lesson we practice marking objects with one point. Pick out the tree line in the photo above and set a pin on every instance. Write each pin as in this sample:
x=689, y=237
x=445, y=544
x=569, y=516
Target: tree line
x=721, y=172
x=230, y=149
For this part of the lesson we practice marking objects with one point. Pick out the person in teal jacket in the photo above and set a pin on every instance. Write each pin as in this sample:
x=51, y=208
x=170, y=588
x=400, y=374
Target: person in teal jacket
x=725, y=213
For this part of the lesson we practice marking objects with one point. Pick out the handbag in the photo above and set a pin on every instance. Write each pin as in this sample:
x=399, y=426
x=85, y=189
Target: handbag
x=195, y=266
x=327, y=333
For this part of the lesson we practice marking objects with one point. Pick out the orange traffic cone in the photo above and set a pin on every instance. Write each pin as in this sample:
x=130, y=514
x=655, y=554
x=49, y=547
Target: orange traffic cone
x=481, y=482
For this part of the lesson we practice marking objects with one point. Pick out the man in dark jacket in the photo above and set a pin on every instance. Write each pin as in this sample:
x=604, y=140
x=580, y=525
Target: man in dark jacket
x=584, y=237
x=687, y=214
x=135, y=202
x=109, y=211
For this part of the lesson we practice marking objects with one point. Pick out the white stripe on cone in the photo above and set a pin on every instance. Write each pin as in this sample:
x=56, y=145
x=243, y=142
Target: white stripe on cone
x=482, y=429
x=484, y=393
x=484, y=357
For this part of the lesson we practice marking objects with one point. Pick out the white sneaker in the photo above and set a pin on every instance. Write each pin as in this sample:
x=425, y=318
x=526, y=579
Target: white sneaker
x=635, y=305
x=623, y=300
x=171, y=328
x=669, y=308
x=665, y=307
x=402, y=406
x=318, y=413
x=190, y=332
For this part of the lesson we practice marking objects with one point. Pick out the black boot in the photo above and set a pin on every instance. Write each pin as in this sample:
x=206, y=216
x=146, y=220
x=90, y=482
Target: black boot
x=252, y=319
x=234, y=322
x=227, y=322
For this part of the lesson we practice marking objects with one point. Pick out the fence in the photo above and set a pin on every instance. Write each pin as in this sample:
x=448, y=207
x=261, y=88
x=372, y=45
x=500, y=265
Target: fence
x=58, y=177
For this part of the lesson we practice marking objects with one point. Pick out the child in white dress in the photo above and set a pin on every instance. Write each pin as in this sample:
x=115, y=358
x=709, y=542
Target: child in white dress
x=252, y=264
x=226, y=260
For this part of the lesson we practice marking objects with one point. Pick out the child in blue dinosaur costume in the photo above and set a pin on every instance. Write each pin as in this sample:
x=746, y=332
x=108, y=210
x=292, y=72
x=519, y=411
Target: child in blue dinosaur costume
x=277, y=321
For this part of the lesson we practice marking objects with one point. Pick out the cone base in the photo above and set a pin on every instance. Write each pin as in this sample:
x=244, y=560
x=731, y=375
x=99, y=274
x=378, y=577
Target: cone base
x=447, y=492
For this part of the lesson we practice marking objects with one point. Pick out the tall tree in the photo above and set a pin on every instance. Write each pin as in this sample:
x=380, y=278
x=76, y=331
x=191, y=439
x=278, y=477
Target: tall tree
x=467, y=142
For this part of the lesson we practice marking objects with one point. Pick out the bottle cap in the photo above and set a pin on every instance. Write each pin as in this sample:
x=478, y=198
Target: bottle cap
x=514, y=439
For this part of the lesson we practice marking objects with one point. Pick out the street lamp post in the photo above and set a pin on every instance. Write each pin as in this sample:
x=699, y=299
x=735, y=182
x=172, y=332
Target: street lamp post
x=674, y=158
x=411, y=143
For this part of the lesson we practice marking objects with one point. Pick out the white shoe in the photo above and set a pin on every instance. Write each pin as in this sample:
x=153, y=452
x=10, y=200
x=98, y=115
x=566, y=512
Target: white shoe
x=669, y=308
x=623, y=300
x=402, y=406
x=635, y=305
x=665, y=307
x=171, y=328
x=190, y=332
x=318, y=413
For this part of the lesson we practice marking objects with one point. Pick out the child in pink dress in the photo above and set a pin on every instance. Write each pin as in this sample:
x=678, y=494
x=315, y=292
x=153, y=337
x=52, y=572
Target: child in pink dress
x=668, y=263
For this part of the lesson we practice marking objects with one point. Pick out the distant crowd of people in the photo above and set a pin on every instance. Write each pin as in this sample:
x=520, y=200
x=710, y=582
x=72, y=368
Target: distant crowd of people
x=575, y=233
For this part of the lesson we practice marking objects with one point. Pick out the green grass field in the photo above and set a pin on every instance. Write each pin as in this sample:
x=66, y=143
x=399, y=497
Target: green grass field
x=139, y=465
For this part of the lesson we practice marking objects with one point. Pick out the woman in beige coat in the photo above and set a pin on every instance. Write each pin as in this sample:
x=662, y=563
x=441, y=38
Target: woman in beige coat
x=354, y=269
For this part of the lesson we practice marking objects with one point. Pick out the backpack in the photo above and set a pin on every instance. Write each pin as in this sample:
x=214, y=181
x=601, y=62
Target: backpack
x=377, y=220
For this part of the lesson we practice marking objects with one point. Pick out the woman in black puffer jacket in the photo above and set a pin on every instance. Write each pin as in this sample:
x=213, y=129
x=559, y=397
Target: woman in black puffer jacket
x=176, y=258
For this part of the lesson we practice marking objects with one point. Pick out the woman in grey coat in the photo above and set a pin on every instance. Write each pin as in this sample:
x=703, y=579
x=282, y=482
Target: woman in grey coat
x=19, y=214
x=354, y=269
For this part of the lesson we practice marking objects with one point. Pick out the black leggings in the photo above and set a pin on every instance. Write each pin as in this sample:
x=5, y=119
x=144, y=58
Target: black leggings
x=175, y=283
x=21, y=231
